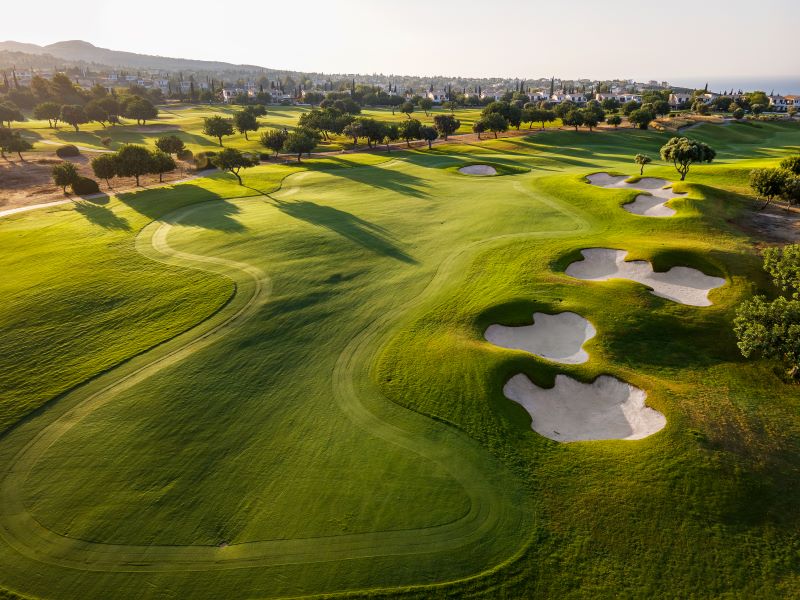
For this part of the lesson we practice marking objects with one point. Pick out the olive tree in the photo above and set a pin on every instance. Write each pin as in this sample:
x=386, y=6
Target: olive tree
x=64, y=174
x=274, y=139
x=217, y=127
x=769, y=184
x=642, y=160
x=233, y=161
x=684, y=152
x=104, y=166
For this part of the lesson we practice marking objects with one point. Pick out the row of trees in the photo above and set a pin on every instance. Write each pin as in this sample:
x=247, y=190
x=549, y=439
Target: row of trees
x=243, y=121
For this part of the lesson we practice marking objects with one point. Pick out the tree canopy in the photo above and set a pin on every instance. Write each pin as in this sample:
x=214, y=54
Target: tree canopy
x=217, y=127
x=683, y=152
x=233, y=161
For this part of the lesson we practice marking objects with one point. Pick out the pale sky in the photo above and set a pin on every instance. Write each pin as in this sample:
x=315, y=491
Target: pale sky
x=680, y=40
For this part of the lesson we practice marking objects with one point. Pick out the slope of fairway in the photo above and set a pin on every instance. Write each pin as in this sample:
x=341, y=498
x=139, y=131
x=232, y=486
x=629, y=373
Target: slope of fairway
x=334, y=421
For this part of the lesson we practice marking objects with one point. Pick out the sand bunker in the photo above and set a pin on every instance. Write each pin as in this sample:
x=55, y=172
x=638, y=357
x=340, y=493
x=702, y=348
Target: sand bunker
x=651, y=204
x=607, y=409
x=559, y=338
x=480, y=170
x=680, y=284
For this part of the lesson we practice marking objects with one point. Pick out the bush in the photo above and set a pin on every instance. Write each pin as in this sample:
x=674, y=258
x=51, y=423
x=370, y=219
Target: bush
x=67, y=151
x=106, y=141
x=185, y=155
x=84, y=186
x=202, y=160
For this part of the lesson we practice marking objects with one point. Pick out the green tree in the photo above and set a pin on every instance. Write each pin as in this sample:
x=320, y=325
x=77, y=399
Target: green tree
x=446, y=125
x=134, y=161
x=738, y=114
x=631, y=106
x=233, y=161
x=161, y=163
x=10, y=112
x=792, y=164
x=140, y=109
x=683, y=153
x=95, y=111
x=171, y=144
x=783, y=265
x=274, y=139
x=407, y=108
x=661, y=108
x=642, y=160
x=769, y=184
x=429, y=134
x=426, y=104
x=64, y=174
x=50, y=111
x=74, y=115
x=299, y=142
x=217, y=127
x=573, y=118
x=313, y=98
x=355, y=130
x=409, y=130
x=591, y=117
x=757, y=109
x=16, y=143
x=494, y=122
x=479, y=127
x=641, y=118
x=614, y=120
x=104, y=166
x=245, y=121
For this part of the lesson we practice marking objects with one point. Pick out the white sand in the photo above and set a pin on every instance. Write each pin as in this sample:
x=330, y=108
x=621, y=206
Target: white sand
x=559, y=338
x=480, y=170
x=651, y=204
x=680, y=284
x=607, y=409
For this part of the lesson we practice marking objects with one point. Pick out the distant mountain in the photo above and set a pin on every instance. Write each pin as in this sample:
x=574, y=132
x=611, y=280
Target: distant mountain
x=79, y=51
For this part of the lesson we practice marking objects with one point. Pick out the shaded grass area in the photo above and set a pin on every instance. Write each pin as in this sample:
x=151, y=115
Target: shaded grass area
x=249, y=439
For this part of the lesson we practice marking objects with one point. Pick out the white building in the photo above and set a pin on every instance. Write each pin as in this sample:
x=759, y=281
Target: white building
x=778, y=103
x=437, y=97
x=676, y=100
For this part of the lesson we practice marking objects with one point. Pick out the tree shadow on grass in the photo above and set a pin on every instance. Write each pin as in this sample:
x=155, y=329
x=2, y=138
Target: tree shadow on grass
x=365, y=234
x=383, y=178
x=217, y=215
x=102, y=216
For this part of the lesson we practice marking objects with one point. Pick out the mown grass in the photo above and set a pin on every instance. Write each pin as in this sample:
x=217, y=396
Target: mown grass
x=249, y=440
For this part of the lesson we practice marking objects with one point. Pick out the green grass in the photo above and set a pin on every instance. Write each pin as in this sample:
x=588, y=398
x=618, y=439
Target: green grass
x=287, y=391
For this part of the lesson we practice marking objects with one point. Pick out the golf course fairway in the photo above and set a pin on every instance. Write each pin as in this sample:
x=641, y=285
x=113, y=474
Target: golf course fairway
x=283, y=389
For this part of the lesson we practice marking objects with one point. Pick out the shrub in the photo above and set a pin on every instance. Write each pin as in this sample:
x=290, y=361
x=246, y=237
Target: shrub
x=202, y=160
x=67, y=151
x=84, y=186
x=106, y=141
x=185, y=155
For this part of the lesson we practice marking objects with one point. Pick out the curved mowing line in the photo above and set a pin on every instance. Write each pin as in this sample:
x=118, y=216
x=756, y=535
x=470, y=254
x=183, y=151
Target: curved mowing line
x=488, y=485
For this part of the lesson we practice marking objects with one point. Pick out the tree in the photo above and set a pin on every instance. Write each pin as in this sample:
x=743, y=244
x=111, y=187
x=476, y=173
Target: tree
x=573, y=118
x=355, y=130
x=641, y=117
x=274, y=139
x=591, y=117
x=479, y=127
x=494, y=122
x=543, y=115
x=64, y=174
x=74, y=115
x=10, y=112
x=313, y=98
x=391, y=134
x=738, y=114
x=134, y=161
x=245, y=121
x=112, y=108
x=50, y=111
x=407, y=108
x=161, y=163
x=104, y=166
x=614, y=120
x=18, y=144
x=171, y=144
x=772, y=329
x=233, y=161
x=409, y=130
x=429, y=134
x=769, y=184
x=95, y=111
x=446, y=125
x=5, y=140
x=631, y=106
x=299, y=142
x=792, y=164
x=642, y=160
x=661, y=108
x=683, y=152
x=217, y=127
x=426, y=104
x=757, y=109
x=140, y=109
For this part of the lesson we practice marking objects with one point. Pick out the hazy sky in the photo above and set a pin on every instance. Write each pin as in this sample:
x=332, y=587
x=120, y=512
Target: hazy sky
x=680, y=40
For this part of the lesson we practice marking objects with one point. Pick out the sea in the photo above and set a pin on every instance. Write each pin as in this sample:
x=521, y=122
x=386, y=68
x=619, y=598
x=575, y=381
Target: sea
x=778, y=85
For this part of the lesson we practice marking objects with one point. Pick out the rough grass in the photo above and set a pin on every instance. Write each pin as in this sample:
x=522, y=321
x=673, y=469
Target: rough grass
x=361, y=400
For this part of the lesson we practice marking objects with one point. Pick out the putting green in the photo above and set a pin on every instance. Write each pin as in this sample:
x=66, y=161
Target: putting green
x=336, y=423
